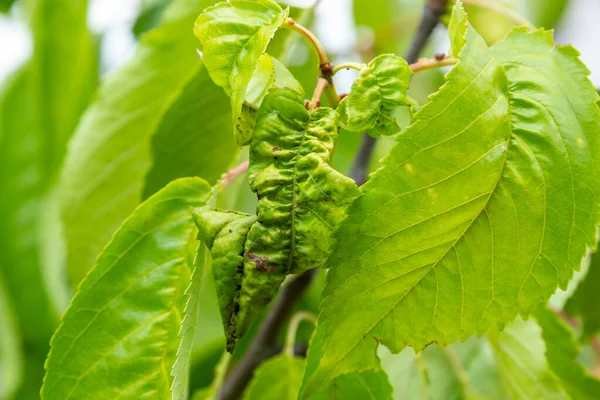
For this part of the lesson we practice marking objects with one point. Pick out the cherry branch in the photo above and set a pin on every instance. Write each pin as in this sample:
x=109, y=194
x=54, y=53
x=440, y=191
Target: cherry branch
x=434, y=9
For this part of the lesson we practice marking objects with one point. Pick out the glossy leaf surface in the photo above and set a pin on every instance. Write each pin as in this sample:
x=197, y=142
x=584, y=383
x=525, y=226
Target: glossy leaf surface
x=486, y=204
x=119, y=336
x=234, y=35
x=379, y=89
x=104, y=173
x=584, y=302
x=192, y=137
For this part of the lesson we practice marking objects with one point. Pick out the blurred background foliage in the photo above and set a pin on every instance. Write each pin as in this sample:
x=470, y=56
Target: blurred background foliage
x=92, y=121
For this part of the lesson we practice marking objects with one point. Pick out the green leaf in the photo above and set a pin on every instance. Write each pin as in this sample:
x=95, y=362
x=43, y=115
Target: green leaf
x=181, y=367
x=189, y=139
x=281, y=377
x=584, y=302
x=104, y=174
x=10, y=348
x=150, y=16
x=234, y=35
x=457, y=29
x=561, y=352
x=379, y=89
x=301, y=200
x=368, y=385
x=120, y=334
x=486, y=204
x=269, y=73
x=5, y=5
x=428, y=375
x=277, y=379
x=546, y=14
x=39, y=109
x=519, y=352
x=225, y=233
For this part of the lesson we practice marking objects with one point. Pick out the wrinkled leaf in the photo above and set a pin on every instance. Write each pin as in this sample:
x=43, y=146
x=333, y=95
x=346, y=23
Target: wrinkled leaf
x=584, y=302
x=379, y=89
x=191, y=138
x=561, y=352
x=224, y=233
x=269, y=73
x=234, y=35
x=482, y=209
x=521, y=362
x=119, y=336
x=104, y=174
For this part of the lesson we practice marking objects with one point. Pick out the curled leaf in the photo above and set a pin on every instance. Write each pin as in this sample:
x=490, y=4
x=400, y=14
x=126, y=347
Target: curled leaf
x=269, y=73
x=224, y=233
x=376, y=93
x=301, y=200
x=234, y=35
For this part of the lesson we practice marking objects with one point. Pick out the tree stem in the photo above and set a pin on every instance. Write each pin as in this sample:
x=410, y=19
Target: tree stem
x=266, y=337
x=434, y=9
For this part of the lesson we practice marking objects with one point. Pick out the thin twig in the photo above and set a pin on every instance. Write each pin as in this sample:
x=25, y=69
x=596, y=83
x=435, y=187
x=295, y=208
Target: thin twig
x=434, y=9
x=322, y=83
x=428, y=63
x=266, y=337
x=233, y=173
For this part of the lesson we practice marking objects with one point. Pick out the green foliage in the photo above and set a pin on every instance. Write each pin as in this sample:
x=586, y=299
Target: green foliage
x=301, y=200
x=583, y=302
x=120, y=333
x=224, y=233
x=278, y=379
x=189, y=139
x=479, y=211
x=561, y=352
x=105, y=172
x=11, y=358
x=376, y=93
x=519, y=353
x=234, y=35
x=432, y=239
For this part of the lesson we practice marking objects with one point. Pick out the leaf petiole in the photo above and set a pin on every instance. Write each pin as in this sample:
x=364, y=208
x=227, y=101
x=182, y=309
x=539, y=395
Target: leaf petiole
x=428, y=63
x=293, y=329
x=293, y=25
x=347, y=65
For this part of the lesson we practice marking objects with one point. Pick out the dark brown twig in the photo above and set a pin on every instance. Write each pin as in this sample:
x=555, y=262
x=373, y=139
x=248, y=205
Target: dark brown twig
x=266, y=337
x=434, y=9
